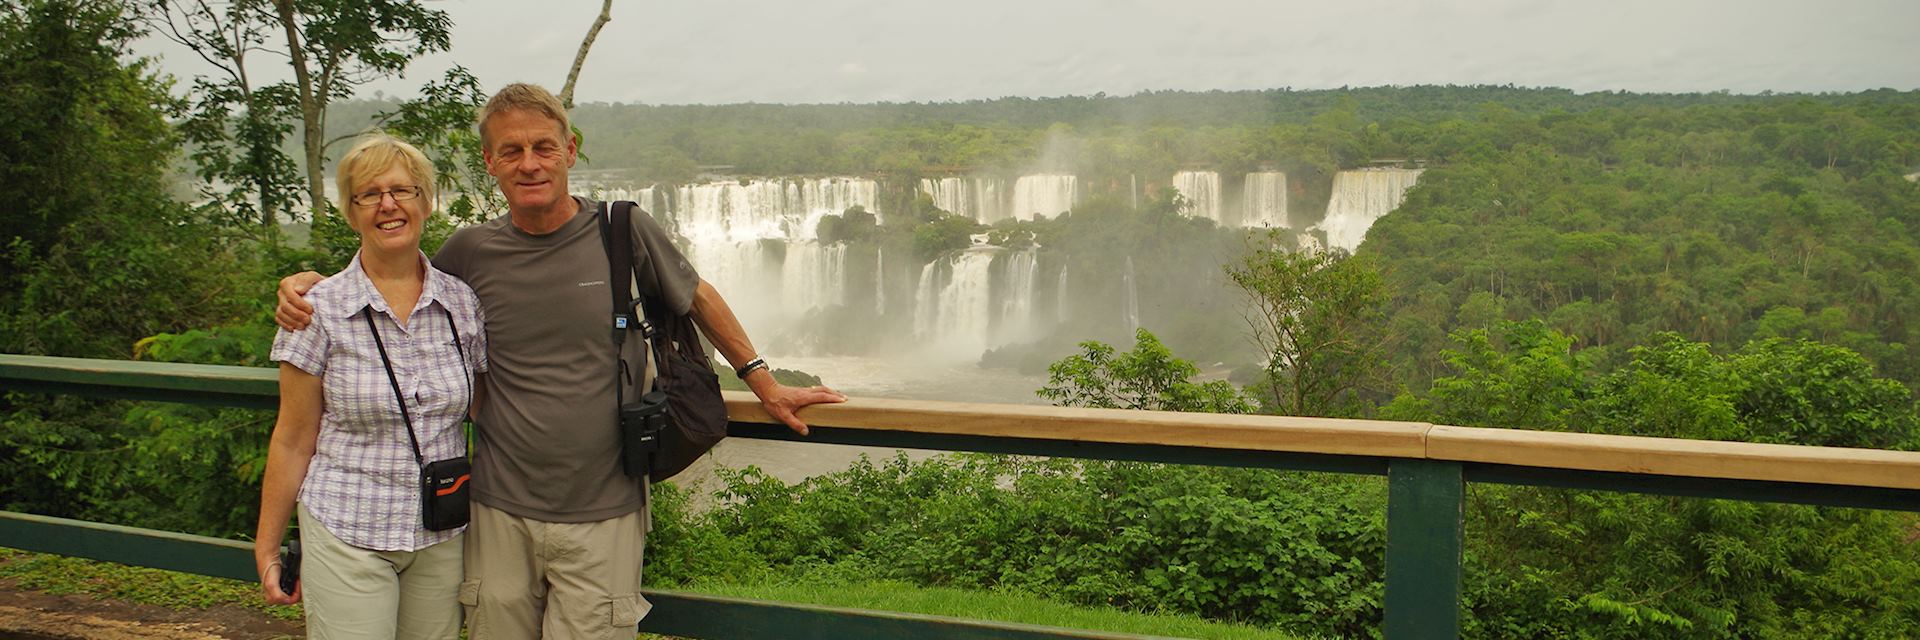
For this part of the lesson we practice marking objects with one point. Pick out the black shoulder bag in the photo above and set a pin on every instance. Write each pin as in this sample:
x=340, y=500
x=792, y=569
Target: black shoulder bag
x=683, y=416
x=443, y=483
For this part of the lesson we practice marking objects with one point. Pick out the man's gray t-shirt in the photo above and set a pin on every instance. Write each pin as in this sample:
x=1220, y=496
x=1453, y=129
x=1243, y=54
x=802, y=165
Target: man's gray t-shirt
x=547, y=446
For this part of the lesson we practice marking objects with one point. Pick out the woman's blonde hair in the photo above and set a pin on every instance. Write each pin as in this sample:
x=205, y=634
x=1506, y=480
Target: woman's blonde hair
x=377, y=153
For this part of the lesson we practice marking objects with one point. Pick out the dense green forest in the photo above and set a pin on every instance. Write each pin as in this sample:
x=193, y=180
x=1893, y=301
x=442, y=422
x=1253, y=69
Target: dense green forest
x=1713, y=266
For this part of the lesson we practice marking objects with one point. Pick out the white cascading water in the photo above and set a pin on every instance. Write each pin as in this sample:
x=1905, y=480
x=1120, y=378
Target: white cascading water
x=1360, y=198
x=645, y=197
x=1131, y=301
x=1060, y=297
x=1265, y=202
x=735, y=234
x=747, y=273
x=813, y=276
x=879, y=281
x=1016, y=322
x=1044, y=194
x=764, y=209
x=982, y=198
x=962, y=307
x=952, y=305
x=1202, y=191
x=1310, y=244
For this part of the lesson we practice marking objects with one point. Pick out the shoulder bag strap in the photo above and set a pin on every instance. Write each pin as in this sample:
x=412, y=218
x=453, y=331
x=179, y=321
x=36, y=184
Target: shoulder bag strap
x=616, y=236
x=395, y=381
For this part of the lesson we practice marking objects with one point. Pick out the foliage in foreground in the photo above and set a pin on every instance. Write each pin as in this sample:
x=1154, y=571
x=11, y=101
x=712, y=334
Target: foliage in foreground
x=1552, y=563
x=1303, y=552
x=1294, y=551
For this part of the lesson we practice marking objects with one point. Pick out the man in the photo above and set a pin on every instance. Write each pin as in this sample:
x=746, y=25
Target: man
x=554, y=546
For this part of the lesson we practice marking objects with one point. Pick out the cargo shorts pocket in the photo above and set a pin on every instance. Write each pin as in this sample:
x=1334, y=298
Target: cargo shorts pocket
x=469, y=596
x=626, y=610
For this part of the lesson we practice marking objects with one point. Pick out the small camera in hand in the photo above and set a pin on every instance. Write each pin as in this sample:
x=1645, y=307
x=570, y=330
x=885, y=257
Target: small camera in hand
x=641, y=423
x=290, y=567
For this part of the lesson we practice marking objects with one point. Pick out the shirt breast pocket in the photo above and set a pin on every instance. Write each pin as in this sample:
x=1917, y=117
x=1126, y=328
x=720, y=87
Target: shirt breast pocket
x=355, y=389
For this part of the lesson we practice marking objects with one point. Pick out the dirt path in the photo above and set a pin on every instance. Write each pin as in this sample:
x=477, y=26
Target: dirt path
x=34, y=615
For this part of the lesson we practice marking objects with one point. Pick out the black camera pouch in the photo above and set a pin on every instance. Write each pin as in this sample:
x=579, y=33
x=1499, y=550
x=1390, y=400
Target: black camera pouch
x=444, y=493
x=641, y=424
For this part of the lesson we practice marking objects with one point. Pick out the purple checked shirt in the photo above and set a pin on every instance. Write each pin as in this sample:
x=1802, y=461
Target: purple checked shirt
x=363, y=483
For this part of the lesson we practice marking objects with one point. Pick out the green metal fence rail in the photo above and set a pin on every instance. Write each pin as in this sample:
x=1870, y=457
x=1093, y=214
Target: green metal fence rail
x=1427, y=468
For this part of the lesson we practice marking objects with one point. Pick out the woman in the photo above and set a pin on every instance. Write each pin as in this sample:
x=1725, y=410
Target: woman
x=370, y=394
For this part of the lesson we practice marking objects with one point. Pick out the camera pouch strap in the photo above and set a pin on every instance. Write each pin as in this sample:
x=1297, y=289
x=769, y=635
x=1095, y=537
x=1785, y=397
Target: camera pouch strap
x=439, y=508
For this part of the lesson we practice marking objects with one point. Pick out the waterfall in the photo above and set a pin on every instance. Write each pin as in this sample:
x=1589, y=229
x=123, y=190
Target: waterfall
x=763, y=209
x=646, y=197
x=982, y=198
x=975, y=300
x=879, y=281
x=1015, y=290
x=1202, y=191
x=1361, y=197
x=1060, y=297
x=749, y=275
x=953, y=305
x=833, y=196
x=813, y=277
x=755, y=241
x=1311, y=244
x=1265, y=203
x=1131, y=299
x=1046, y=194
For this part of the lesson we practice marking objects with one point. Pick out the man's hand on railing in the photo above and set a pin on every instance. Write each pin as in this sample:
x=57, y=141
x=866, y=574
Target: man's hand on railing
x=782, y=401
x=293, y=313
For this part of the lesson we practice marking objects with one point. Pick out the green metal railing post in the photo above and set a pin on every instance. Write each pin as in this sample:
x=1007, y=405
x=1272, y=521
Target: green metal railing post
x=1425, y=501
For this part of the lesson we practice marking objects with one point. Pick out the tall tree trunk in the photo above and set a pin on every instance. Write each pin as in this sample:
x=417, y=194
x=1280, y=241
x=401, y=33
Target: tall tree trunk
x=580, y=59
x=312, y=125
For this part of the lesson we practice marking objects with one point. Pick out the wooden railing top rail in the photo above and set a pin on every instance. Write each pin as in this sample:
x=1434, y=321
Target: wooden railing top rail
x=1677, y=457
x=1113, y=426
x=1325, y=436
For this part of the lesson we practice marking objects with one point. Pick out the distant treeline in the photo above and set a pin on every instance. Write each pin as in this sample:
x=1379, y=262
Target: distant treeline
x=1149, y=132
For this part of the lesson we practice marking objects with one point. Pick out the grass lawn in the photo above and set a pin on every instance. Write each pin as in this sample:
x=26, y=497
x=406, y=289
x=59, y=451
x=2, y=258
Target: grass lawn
x=61, y=575
x=987, y=605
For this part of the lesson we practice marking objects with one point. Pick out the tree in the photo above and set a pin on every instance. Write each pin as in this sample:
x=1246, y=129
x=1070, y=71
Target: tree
x=1317, y=317
x=237, y=156
x=586, y=44
x=98, y=256
x=338, y=45
x=1149, y=377
x=440, y=123
x=71, y=119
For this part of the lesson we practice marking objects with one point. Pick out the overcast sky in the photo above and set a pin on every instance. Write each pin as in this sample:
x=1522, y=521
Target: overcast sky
x=806, y=51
